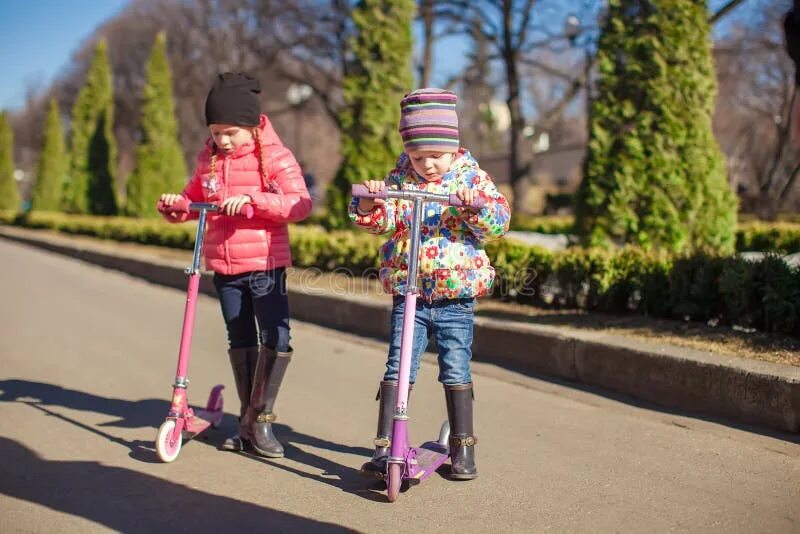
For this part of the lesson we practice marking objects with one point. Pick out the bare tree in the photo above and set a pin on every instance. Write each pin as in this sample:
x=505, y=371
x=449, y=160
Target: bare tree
x=511, y=30
x=753, y=120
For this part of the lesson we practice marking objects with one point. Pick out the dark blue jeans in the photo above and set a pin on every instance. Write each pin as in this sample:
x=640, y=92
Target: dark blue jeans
x=450, y=323
x=255, y=299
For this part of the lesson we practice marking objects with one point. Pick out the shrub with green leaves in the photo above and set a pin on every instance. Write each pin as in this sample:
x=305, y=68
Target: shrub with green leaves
x=90, y=185
x=378, y=76
x=768, y=237
x=654, y=175
x=160, y=167
x=9, y=193
x=544, y=224
x=51, y=167
x=762, y=294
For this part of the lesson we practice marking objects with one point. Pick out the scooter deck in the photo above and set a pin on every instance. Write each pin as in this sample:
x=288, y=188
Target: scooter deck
x=429, y=457
x=200, y=420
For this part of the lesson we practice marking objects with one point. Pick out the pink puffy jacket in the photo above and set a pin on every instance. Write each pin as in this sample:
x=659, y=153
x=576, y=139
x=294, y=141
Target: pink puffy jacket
x=235, y=245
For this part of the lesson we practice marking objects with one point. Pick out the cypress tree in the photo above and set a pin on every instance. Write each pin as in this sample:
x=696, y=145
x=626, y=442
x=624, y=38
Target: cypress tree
x=160, y=167
x=52, y=164
x=9, y=194
x=654, y=174
x=378, y=77
x=90, y=187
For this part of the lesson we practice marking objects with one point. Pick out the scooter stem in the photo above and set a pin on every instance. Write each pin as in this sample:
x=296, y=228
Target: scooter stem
x=191, y=303
x=400, y=442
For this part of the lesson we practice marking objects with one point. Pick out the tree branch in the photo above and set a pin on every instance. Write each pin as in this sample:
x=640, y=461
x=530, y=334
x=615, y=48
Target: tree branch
x=790, y=182
x=548, y=69
x=522, y=33
x=724, y=10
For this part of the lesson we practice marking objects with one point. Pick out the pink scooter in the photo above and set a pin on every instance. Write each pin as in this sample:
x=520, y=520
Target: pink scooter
x=181, y=419
x=413, y=464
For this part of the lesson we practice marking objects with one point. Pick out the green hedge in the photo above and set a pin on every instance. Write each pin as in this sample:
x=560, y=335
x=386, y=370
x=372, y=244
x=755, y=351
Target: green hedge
x=751, y=235
x=544, y=224
x=764, y=295
x=768, y=237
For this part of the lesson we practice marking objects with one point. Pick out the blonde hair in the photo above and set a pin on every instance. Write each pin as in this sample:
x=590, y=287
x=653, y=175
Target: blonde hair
x=262, y=165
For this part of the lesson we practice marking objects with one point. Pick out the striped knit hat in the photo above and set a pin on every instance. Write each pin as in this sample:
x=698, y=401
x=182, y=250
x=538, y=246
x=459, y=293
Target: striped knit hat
x=428, y=120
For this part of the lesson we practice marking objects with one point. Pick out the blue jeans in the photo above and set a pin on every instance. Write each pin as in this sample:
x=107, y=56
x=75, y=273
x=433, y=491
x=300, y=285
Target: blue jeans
x=255, y=298
x=450, y=323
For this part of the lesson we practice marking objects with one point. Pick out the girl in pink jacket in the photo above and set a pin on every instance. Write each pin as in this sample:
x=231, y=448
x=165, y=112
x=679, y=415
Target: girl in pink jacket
x=244, y=162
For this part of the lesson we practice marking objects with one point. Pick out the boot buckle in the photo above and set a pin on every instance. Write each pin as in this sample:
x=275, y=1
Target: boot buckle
x=266, y=418
x=467, y=441
x=382, y=442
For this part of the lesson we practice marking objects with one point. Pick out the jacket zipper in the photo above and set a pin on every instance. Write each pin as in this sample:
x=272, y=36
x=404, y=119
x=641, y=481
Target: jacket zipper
x=226, y=176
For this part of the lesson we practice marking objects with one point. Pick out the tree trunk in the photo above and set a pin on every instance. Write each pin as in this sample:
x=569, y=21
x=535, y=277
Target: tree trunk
x=426, y=13
x=517, y=121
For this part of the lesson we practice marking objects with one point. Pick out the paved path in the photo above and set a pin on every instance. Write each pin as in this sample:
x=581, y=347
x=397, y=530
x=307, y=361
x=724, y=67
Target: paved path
x=86, y=361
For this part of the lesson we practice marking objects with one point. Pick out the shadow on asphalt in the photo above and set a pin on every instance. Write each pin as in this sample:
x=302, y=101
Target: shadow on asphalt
x=149, y=413
x=129, y=414
x=128, y=501
x=295, y=444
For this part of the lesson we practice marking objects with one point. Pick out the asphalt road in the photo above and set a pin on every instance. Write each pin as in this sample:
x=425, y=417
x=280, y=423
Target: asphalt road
x=87, y=357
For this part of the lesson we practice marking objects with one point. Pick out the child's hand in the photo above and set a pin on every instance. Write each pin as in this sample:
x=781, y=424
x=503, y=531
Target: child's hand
x=467, y=196
x=233, y=205
x=374, y=186
x=168, y=199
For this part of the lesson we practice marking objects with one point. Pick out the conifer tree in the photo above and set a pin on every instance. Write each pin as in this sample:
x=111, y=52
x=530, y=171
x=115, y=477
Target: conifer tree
x=160, y=167
x=378, y=77
x=9, y=193
x=654, y=174
x=52, y=165
x=90, y=187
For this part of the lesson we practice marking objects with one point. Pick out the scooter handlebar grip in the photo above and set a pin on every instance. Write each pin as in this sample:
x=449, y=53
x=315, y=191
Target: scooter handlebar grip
x=247, y=211
x=360, y=190
x=179, y=206
x=479, y=202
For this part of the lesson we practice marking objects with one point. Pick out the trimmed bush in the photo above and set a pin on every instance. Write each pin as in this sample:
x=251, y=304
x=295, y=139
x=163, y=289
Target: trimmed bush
x=654, y=175
x=378, y=75
x=762, y=294
x=768, y=237
x=51, y=168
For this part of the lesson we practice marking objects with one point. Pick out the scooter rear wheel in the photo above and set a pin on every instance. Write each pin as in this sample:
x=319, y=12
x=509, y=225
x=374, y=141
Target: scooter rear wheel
x=216, y=404
x=167, y=451
x=394, y=479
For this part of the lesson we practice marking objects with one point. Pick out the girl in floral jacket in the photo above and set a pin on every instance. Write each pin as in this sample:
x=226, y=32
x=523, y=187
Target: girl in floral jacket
x=453, y=267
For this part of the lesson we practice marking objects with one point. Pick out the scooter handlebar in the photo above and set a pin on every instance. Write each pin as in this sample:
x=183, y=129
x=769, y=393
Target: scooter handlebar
x=361, y=191
x=478, y=203
x=179, y=206
x=182, y=205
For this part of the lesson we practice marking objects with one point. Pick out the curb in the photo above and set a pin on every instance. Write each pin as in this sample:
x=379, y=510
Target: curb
x=746, y=391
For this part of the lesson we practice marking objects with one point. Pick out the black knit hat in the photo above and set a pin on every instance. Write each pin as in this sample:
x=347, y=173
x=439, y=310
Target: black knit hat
x=233, y=99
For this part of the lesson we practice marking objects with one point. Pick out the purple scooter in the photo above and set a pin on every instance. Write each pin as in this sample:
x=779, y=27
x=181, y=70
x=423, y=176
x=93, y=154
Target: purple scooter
x=181, y=419
x=413, y=464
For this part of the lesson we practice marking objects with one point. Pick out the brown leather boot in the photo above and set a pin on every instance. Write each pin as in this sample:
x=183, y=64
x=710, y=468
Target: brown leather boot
x=243, y=363
x=462, y=436
x=269, y=372
x=387, y=395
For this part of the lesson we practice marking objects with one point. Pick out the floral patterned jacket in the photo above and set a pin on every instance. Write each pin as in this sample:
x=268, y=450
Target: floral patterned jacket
x=452, y=261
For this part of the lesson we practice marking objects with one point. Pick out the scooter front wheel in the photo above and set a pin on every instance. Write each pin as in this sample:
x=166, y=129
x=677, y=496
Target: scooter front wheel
x=167, y=448
x=394, y=479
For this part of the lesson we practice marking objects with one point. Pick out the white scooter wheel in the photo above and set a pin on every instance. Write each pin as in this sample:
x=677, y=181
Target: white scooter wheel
x=167, y=451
